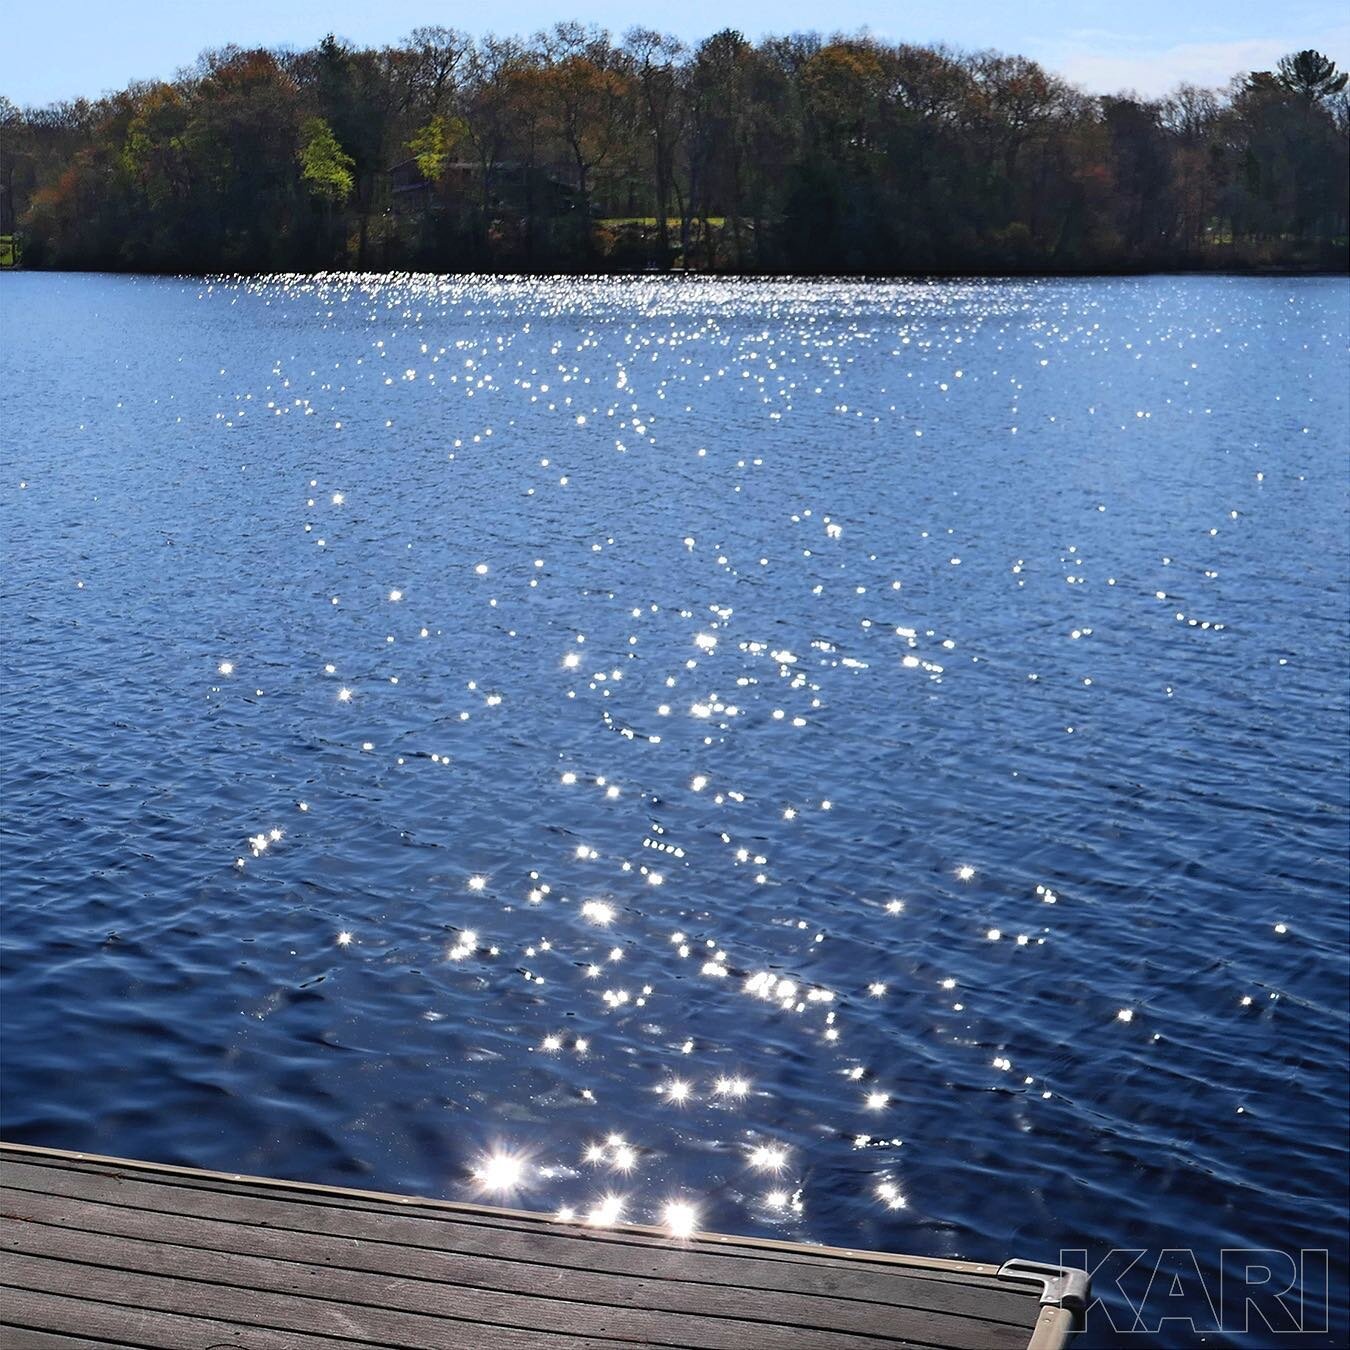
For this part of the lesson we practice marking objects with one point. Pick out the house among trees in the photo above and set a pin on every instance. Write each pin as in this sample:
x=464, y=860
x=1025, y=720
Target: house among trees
x=410, y=191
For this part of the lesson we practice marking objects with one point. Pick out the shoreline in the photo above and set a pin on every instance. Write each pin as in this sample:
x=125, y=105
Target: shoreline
x=690, y=274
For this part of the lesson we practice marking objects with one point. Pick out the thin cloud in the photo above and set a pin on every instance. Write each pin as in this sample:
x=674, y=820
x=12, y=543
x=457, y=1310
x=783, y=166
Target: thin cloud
x=1107, y=63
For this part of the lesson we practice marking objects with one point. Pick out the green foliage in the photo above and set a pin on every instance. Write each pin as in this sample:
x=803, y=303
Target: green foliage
x=432, y=144
x=324, y=164
x=428, y=148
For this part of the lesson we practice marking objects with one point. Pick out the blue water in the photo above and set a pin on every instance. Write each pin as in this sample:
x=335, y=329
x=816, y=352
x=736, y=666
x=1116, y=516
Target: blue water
x=865, y=761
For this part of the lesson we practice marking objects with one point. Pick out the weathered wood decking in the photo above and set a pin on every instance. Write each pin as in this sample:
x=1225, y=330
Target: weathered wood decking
x=102, y=1251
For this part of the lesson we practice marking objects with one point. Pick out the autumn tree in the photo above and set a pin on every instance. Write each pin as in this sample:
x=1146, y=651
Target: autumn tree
x=590, y=96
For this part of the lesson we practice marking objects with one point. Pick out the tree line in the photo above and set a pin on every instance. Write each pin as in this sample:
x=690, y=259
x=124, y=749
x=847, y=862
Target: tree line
x=573, y=152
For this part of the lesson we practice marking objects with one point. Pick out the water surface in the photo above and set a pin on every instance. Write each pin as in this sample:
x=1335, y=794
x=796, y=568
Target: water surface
x=866, y=761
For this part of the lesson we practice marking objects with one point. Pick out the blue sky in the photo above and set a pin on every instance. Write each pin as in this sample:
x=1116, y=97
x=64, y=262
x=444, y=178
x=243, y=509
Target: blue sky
x=61, y=49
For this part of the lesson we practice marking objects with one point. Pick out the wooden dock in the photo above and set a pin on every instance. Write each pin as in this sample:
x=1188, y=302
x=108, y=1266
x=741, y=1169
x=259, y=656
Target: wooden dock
x=101, y=1252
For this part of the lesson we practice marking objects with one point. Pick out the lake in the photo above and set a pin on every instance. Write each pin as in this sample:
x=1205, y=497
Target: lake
x=865, y=760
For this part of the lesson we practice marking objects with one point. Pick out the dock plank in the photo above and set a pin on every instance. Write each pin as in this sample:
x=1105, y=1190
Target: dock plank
x=501, y=1220
x=45, y=1340
x=35, y=1312
x=574, y=1250
x=88, y=1323
x=99, y=1252
x=404, y=1312
x=449, y=1268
